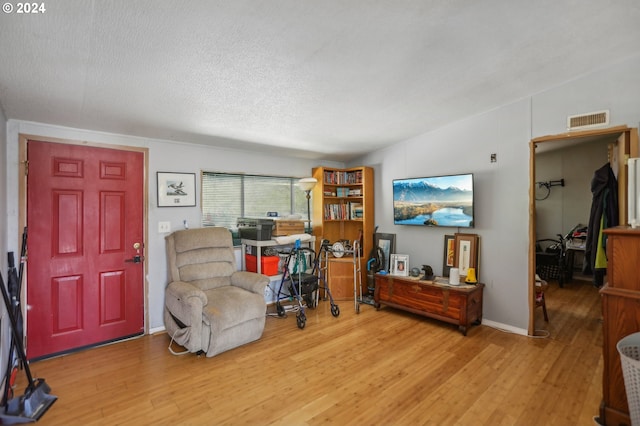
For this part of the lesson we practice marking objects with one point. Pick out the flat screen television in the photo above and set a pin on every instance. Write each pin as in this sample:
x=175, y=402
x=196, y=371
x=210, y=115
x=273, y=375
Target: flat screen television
x=434, y=201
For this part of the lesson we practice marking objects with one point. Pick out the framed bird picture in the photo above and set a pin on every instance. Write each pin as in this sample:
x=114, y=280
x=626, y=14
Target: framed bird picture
x=176, y=189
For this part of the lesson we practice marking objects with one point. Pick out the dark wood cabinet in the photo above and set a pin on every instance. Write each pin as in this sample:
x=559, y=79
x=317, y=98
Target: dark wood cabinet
x=460, y=305
x=621, y=317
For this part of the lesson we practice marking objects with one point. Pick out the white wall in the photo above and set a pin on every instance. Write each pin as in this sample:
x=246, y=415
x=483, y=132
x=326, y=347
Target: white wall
x=615, y=87
x=163, y=156
x=502, y=188
x=501, y=200
x=569, y=205
x=4, y=330
x=4, y=202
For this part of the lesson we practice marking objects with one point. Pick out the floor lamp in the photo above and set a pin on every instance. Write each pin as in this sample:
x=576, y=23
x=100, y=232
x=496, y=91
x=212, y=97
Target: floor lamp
x=307, y=184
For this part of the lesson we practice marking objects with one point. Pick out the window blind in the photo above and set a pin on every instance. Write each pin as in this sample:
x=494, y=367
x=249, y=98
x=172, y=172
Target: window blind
x=226, y=197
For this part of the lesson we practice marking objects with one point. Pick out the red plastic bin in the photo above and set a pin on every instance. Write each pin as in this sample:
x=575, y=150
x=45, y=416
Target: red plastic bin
x=268, y=264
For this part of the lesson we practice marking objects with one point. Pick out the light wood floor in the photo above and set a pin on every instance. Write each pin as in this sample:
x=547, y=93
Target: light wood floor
x=377, y=367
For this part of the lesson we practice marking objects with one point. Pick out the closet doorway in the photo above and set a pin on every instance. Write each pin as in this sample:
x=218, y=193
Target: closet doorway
x=563, y=204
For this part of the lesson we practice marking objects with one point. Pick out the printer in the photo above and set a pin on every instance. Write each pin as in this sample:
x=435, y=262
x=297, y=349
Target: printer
x=257, y=229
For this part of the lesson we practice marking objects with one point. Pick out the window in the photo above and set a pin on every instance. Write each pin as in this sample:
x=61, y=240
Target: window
x=226, y=197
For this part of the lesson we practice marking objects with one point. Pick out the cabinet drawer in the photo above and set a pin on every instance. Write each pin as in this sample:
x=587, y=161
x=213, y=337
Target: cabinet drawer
x=428, y=299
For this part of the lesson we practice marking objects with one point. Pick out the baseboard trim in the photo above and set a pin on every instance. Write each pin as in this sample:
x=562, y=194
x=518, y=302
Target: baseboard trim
x=505, y=327
x=155, y=330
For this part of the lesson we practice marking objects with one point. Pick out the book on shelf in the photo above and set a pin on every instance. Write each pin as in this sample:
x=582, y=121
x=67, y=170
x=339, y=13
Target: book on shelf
x=355, y=211
x=335, y=177
x=342, y=192
x=348, y=211
x=335, y=212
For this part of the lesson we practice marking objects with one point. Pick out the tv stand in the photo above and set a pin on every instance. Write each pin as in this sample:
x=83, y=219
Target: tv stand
x=460, y=305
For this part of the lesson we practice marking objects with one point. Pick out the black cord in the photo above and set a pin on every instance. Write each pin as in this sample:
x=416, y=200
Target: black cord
x=548, y=185
x=546, y=194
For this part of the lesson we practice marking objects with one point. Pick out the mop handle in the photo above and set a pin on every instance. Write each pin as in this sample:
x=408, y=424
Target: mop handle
x=23, y=257
x=14, y=330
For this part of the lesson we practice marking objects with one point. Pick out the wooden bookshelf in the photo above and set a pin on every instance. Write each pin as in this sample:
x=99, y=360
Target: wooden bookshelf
x=343, y=208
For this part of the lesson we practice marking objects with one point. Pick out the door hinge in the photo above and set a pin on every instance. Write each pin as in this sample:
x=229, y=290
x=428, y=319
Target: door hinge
x=26, y=167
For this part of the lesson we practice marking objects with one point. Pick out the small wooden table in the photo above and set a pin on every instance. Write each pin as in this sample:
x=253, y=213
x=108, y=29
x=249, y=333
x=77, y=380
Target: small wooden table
x=460, y=305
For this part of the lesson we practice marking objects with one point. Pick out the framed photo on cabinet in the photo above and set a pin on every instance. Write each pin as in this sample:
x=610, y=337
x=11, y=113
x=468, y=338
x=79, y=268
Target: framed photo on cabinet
x=449, y=254
x=466, y=255
x=400, y=265
x=387, y=243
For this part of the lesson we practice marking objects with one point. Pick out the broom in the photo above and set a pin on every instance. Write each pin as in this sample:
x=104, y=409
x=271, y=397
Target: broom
x=36, y=399
x=14, y=287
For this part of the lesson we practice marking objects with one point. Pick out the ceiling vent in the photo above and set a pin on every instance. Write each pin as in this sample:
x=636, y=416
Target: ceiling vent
x=585, y=121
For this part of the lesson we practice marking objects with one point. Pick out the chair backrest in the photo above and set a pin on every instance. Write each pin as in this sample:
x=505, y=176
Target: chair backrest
x=203, y=257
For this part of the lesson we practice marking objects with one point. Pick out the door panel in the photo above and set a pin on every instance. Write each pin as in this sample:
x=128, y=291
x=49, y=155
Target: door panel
x=84, y=215
x=66, y=214
x=66, y=295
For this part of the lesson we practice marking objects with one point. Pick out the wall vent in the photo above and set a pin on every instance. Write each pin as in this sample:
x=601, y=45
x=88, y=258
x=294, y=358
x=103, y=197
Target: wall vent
x=584, y=121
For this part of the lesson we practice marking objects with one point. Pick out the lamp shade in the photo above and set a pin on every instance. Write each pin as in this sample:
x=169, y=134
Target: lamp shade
x=307, y=184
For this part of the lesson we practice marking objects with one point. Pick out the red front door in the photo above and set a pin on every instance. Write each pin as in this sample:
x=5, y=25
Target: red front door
x=84, y=222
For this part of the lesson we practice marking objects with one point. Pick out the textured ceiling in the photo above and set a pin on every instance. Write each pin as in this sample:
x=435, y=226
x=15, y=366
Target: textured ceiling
x=319, y=79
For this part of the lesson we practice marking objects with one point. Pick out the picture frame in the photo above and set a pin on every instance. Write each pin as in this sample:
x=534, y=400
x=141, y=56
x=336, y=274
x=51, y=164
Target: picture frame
x=387, y=242
x=176, y=189
x=400, y=265
x=466, y=256
x=449, y=254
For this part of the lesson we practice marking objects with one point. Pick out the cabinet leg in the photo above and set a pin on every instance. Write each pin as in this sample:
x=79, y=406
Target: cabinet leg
x=463, y=330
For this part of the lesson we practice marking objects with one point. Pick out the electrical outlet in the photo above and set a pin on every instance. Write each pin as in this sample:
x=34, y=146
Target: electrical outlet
x=164, y=227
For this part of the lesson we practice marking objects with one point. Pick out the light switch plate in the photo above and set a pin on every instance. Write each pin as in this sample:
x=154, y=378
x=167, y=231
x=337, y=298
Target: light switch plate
x=164, y=227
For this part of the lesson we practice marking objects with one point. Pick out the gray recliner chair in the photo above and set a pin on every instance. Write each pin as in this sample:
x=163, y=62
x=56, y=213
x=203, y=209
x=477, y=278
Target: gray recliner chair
x=209, y=305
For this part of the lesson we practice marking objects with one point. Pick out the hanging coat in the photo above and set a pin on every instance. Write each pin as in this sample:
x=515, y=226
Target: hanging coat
x=604, y=214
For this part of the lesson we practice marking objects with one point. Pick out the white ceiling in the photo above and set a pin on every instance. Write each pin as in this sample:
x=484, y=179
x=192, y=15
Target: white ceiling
x=326, y=79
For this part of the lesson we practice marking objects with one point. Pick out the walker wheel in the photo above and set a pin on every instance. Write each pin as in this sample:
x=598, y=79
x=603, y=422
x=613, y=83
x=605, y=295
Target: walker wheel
x=301, y=320
x=335, y=310
x=280, y=310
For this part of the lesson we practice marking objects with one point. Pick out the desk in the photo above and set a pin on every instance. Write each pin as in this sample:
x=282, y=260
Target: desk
x=267, y=243
x=460, y=305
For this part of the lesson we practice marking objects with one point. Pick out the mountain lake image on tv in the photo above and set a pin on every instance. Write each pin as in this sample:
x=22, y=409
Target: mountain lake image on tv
x=434, y=201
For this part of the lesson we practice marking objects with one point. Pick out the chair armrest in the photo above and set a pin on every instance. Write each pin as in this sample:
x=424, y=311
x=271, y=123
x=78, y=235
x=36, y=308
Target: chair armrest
x=250, y=281
x=184, y=302
x=181, y=290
